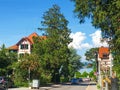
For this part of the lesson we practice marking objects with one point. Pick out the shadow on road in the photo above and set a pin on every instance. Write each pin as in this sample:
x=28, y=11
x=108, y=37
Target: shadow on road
x=79, y=84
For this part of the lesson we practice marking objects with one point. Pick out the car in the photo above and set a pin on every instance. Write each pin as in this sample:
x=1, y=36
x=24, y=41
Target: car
x=5, y=82
x=74, y=81
x=80, y=80
x=86, y=79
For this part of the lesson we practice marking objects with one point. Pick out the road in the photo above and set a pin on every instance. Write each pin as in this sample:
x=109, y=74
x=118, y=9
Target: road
x=81, y=86
x=71, y=87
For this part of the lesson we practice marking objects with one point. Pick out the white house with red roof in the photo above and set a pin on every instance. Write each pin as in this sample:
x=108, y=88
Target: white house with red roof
x=24, y=45
x=105, y=60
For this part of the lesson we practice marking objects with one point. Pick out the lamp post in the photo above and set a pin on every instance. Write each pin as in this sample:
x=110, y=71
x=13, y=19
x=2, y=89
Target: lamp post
x=111, y=59
x=29, y=76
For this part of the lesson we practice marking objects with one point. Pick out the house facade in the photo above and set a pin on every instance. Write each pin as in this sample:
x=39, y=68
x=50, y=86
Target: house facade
x=105, y=60
x=24, y=45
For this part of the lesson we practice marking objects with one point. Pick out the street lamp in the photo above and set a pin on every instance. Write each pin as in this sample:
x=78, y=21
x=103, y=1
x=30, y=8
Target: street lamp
x=29, y=76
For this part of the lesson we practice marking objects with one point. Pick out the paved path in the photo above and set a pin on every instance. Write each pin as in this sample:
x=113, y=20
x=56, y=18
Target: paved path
x=92, y=86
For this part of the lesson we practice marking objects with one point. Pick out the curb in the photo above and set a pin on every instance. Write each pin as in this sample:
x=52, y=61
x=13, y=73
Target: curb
x=45, y=88
x=48, y=88
x=56, y=86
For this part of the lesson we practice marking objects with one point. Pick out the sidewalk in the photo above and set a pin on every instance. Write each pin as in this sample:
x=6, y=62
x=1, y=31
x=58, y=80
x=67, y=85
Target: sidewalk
x=92, y=86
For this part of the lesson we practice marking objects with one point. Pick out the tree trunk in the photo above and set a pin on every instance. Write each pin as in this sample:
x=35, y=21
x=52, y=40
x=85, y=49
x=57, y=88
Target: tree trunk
x=56, y=77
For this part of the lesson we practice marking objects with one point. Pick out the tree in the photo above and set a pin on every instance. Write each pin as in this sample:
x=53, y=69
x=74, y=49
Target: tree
x=91, y=75
x=6, y=60
x=91, y=55
x=104, y=15
x=54, y=51
x=74, y=62
x=85, y=74
x=27, y=69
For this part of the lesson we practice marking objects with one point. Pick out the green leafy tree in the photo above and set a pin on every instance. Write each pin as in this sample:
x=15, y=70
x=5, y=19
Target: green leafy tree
x=78, y=74
x=6, y=60
x=104, y=15
x=85, y=74
x=92, y=75
x=91, y=55
x=27, y=69
x=54, y=51
x=74, y=62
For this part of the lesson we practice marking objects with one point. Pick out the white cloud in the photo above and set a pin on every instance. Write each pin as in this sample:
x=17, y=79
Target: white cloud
x=96, y=39
x=78, y=39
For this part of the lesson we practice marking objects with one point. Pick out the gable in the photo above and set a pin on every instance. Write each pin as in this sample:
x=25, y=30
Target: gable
x=103, y=52
x=29, y=39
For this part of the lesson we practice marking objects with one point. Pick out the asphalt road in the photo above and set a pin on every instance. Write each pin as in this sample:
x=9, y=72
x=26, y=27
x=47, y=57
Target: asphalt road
x=81, y=86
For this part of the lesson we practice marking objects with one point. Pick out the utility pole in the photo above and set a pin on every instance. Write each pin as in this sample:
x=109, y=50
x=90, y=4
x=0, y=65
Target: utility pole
x=29, y=76
x=111, y=59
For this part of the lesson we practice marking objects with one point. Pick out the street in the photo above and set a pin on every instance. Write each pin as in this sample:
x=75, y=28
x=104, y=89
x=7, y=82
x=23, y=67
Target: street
x=81, y=86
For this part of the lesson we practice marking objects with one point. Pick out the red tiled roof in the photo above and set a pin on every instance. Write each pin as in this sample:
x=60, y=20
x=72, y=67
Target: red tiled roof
x=14, y=47
x=103, y=50
x=29, y=38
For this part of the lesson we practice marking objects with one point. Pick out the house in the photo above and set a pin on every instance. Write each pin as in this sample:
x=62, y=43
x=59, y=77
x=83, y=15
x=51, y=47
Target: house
x=104, y=58
x=24, y=45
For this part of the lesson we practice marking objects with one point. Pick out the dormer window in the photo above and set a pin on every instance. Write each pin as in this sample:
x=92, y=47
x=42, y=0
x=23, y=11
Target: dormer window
x=24, y=46
x=105, y=55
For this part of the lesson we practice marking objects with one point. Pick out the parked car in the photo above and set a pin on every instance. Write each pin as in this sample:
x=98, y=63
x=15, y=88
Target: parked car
x=74, y=81
x=5, y=82
x=80, y=80
x=86, y=79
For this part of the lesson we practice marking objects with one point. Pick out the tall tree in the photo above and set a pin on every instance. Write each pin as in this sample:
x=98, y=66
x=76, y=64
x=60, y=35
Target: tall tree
x=75, y=63
x=91, y=55
x=105, y=15
x=54, y=51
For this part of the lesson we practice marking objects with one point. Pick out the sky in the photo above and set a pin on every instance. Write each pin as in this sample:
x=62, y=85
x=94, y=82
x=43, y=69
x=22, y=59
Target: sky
x=20, y=18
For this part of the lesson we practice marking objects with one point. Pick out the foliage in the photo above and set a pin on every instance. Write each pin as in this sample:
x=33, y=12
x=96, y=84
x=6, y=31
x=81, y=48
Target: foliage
x=91, y=75
x=6, y=60
x=91, y=54
x=98, y=86
x=28, y=66
x=78, y=75
x=104, y=15
x=54, y=51
x=85, y=74
x=74, y=62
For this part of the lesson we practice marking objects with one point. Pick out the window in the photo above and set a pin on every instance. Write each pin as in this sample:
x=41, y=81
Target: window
x=105, y=55
x=24, y=46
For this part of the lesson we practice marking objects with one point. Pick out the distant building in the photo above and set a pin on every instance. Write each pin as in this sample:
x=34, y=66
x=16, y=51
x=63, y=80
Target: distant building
x=24, y=45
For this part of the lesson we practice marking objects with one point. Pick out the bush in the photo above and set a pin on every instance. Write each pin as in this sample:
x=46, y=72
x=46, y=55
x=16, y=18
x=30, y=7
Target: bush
x=98, y=86
x=45, y=79
x=63, y=79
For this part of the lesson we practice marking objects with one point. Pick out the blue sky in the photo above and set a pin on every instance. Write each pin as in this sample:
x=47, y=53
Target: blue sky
x=19, y=18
